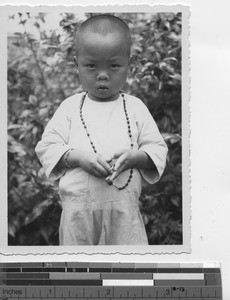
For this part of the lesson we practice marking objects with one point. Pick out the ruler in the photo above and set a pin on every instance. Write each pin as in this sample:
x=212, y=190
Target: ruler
x=82, y=280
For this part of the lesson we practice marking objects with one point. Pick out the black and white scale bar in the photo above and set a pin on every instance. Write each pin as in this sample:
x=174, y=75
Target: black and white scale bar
x=109, y=267
x=66, y=292
x=63, y=280
x=12, y=278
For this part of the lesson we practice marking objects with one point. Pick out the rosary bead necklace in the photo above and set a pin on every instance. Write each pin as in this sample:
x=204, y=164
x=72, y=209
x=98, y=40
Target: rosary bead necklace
x=92, y=144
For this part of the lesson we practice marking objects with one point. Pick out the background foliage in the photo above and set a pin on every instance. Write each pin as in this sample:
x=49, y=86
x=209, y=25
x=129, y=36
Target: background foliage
x=41, y=74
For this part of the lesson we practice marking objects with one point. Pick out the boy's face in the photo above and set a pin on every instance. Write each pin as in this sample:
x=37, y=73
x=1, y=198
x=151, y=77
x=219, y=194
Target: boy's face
x=103, y=63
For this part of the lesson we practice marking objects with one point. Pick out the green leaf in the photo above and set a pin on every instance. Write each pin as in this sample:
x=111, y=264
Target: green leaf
x=176, y=77
x=33, y=100
x=171, y=137
x=14, y=126
x=170, y=58
x=38, y=211
x=17, y=148
x=175, y=200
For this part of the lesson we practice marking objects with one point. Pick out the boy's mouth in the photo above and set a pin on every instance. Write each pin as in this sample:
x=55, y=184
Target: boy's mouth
x=102, y=88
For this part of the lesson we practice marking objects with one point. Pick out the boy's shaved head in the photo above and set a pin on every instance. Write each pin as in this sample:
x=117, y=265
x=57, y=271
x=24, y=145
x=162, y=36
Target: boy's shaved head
x=104, y=25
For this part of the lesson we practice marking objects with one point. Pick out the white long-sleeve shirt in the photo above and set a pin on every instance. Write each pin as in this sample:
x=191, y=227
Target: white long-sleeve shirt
x=82, y=193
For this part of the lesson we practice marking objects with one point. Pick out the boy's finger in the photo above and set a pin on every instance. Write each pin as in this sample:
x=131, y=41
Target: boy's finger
x=96, y=173
x=118, y=168
x=104, y=164
x=115, y=174
x=108, y=180
x=119, y=164
x=112, y=177
x=109, y=158
x=99, y=168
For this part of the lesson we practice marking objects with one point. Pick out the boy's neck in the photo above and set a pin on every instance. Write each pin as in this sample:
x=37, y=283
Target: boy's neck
x=106, y=100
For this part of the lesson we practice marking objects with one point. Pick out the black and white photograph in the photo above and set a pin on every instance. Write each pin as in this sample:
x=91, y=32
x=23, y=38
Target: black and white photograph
x=114, y=145
x=98, y=128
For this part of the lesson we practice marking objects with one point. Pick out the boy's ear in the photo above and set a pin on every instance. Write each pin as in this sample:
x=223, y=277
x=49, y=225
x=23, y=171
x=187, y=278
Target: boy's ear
x=75, y=60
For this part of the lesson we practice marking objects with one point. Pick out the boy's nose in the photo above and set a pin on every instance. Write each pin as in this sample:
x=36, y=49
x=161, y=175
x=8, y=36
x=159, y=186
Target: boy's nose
x=102, y=76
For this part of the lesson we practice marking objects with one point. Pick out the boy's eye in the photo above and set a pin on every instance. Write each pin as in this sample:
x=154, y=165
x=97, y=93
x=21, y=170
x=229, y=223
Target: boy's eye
x=90, y=66
x=115, y=66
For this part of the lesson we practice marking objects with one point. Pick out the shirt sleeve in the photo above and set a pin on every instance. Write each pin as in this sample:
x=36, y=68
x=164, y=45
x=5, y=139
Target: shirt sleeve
x=54, y=142
x=151, y=141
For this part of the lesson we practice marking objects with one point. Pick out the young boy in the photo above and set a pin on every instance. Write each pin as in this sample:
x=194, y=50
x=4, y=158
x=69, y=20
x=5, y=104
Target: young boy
x=101, y=142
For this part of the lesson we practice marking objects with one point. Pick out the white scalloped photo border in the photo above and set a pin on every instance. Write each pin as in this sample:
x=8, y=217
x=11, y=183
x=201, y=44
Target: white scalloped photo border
x=92, y=252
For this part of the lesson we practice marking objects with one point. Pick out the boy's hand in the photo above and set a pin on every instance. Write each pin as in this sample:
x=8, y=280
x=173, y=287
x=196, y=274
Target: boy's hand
x=93, y=164
x=125, y=160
